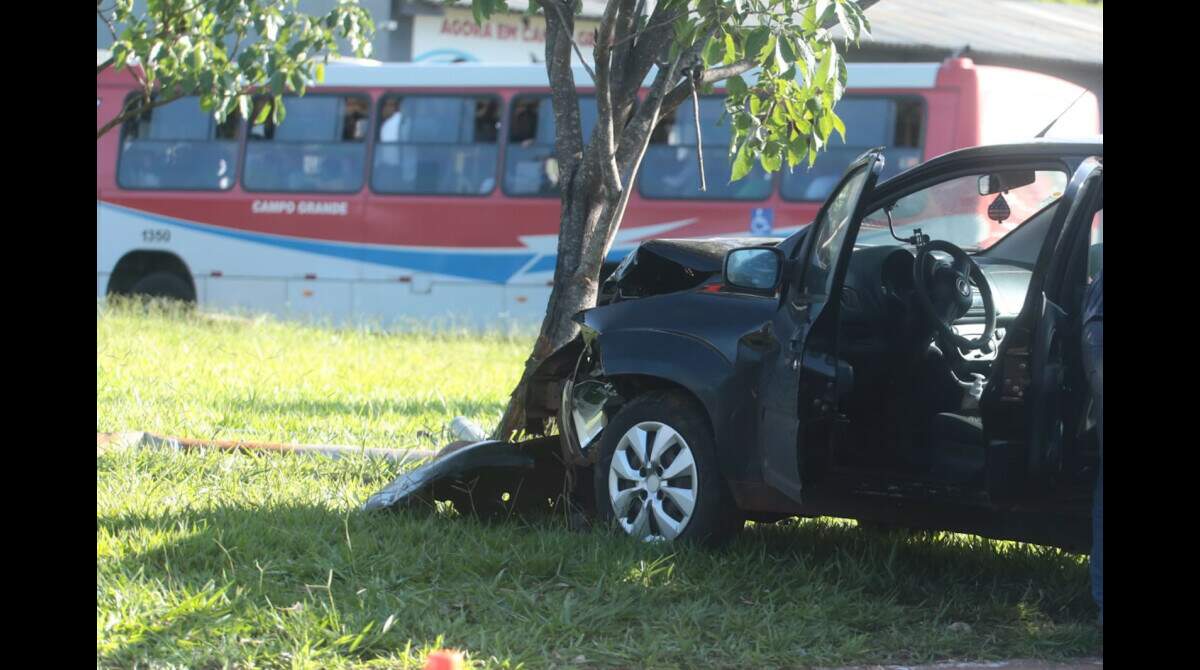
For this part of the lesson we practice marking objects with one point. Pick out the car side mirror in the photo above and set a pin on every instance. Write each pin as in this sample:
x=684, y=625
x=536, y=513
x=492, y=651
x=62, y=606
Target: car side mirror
x=1000, y=182
x=754, y=269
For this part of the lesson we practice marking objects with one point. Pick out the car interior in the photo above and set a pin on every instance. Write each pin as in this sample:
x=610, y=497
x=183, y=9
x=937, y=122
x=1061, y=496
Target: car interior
x=914, y=404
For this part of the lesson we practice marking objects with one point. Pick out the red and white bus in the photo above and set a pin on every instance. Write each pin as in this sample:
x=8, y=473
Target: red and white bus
x=397, y=192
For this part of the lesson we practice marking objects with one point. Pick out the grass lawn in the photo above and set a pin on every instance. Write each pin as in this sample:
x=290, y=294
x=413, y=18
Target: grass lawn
x=207, y=559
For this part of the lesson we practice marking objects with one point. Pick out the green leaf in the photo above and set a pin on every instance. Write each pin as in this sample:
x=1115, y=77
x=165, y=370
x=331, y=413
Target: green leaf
x=781, y=63
x=809, y=61
x=809, y=22
x=713, y=52
x=320, y=72
x=796, y=149
x=263, y=112
x=731, y=53
x=837, y=124
x=742, y=163
x=828, y=66
x=778, y=117
x=825, y=126
x=787, y=48
x=771, y=157
x=278, y=113
x=823, y=7
x=757, y=40
x=851, y=27
x=736, y=87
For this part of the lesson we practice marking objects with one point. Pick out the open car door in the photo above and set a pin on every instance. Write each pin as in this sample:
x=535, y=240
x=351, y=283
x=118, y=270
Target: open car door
x=800, y=389
x=1039, y=396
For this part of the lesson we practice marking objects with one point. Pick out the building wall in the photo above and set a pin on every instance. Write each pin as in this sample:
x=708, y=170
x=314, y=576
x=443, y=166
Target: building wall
x=504, y=38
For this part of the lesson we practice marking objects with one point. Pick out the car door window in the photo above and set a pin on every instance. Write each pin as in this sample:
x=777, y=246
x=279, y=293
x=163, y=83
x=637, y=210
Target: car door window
x=832, y=227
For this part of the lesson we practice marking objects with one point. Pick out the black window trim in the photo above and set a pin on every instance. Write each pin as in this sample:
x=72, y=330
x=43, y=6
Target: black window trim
x=921, y=137
x=377, y=125
x=237, y=159
x=246, y=142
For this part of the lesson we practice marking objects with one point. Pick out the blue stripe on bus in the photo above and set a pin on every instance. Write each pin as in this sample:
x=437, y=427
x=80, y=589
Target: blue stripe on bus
x=546, y=263
x=497, y=267
x=492, y=267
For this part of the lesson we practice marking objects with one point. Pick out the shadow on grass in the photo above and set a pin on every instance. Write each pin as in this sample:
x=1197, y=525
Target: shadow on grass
x=309, y=580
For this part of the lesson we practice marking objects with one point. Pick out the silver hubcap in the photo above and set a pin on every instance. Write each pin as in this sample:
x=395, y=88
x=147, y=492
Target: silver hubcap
x=652, y=482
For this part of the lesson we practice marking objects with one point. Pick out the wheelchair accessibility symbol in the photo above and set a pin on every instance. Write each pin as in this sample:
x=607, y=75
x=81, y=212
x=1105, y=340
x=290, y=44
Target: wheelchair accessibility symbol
x=762, y=220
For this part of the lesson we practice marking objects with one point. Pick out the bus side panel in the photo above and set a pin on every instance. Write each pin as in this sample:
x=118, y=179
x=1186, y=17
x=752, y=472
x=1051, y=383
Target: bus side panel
x=444, y=304
x=954, y=108
x=1017, y=104
x=943, y=122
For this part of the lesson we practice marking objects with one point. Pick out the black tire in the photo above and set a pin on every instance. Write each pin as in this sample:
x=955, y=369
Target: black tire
x=715, y=517
x=163, y=285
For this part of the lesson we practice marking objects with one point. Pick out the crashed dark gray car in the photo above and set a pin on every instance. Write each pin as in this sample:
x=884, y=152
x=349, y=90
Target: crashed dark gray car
x=910, y=358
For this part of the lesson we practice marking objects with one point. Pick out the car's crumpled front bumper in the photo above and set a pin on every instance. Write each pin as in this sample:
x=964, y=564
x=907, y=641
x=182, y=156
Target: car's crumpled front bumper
x=485, y=478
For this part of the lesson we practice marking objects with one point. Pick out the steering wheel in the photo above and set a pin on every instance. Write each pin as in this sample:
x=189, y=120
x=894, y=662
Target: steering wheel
x=944, y=291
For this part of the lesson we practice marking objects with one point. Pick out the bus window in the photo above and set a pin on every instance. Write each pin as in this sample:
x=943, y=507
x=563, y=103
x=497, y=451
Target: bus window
x=670, y=169
x=178, y=146
x=529, y=164
x=436, y=145
x=319, y=148
x=895, y=123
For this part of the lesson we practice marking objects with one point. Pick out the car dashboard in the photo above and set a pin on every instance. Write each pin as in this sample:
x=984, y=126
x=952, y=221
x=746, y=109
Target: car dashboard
x=877, y=300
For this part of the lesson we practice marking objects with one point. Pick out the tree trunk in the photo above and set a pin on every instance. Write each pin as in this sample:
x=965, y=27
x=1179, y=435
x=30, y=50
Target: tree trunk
x=576, y=283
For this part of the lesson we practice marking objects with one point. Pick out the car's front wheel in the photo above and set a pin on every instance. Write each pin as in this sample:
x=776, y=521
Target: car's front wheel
x=657, y=476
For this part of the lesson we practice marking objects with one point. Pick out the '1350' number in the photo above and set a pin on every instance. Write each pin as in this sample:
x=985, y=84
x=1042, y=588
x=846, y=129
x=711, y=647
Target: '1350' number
x=156, y=235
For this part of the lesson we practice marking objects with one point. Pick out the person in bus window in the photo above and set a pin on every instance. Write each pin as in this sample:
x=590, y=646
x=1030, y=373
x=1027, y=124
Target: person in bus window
x=389, y=132
x=354, y=122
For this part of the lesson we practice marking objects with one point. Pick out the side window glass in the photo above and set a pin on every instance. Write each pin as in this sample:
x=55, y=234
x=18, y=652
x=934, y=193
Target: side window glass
x=831, y=234
x=670, y=168
x=436, y=145
x=530, y=168
x=178, y=146
x=320, y=147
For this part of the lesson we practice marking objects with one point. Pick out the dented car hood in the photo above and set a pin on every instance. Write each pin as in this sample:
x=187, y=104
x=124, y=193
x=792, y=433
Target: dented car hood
x=665, y=266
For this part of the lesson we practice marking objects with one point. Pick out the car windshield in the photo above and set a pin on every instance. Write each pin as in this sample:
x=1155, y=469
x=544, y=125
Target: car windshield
x=955, y=211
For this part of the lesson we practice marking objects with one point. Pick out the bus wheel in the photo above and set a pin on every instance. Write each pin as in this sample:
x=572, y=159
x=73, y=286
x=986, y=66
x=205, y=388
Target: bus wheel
x=163, y=285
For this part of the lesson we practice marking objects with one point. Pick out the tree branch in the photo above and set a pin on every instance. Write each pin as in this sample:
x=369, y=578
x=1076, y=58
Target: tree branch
x=699, y=145
x=568, y=135
x=649, y=27
x=606, y=156
x=130, y=112
x=627, y=15
x=571, y=36
x=645, y=53
x=682, y=91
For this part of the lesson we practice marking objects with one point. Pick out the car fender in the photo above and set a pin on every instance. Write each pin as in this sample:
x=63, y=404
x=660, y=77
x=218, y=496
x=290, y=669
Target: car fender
x=687, y=362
